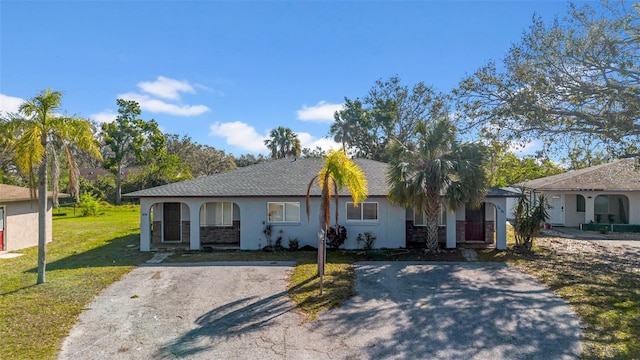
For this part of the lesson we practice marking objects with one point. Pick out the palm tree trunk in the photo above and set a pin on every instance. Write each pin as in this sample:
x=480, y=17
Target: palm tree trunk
x=42, y=217
x=119, y=185
x=432, y=213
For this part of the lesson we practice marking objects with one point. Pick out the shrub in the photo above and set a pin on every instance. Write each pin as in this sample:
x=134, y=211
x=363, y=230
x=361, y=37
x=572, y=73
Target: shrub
x=88, y=204
x=294, y=243
x=368, y=240
x=336, y=238
x=530, y=214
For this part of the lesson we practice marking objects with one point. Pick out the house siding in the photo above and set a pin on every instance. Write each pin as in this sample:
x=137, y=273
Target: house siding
x=21, y=225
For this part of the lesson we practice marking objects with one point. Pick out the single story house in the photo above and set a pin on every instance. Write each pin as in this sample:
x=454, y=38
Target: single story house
x=602, y=195
x=19, y=218
x=232, y=210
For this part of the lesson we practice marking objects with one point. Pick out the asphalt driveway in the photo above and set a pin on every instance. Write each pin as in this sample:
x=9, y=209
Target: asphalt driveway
x=402, y=311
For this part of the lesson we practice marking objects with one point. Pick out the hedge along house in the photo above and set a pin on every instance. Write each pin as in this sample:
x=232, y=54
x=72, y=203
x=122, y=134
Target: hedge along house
x=601, y=196
x=233, y=209
x=19, y=218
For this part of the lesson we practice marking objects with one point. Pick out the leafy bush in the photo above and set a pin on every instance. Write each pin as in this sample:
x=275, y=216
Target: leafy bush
x=336, y=238
x=294, y=243
x=88, y=204
x=368, y=240
x=530, y=214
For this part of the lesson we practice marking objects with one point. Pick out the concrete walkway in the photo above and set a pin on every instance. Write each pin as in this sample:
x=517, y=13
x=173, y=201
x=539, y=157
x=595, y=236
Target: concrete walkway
x=402, y=311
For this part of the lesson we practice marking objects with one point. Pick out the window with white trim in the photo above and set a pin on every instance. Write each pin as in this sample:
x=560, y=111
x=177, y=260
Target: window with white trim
x=217, y=214
x=421, y=219
x=283, y=212
x=365, y=211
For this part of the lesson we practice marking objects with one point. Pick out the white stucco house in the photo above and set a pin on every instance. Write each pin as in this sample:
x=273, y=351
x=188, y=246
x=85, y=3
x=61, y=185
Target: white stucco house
x=606, y=195
x=231, y=209
x=19, y=218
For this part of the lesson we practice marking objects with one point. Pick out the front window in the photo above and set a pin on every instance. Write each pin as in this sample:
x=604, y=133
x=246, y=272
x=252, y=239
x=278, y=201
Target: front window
x=283, y=211
x=367, y=211
x=580, y=206
x=217, y=214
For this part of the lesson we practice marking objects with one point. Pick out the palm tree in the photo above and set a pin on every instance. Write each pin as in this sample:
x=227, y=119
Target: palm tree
x=37, y=134
x=283, y=142
x=338, y=171
x=435, y=170
x=346, y=122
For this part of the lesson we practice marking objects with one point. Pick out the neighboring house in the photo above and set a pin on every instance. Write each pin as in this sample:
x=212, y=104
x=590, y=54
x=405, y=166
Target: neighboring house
x=231, y=210
x=92, y=174
x=607, y=194
x=19, y=218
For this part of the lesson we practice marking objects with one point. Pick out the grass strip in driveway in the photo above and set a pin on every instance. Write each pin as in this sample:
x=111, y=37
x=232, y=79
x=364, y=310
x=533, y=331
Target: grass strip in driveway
x=87, y=255
x=603, y=288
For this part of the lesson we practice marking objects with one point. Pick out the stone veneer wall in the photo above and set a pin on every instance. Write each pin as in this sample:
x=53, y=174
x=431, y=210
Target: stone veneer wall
x=220, y=234
x=460, y=231
x=416, y=234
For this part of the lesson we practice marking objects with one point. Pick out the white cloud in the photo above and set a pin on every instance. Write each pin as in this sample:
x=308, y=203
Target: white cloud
x=104, y=116
x=240, y=134
x=245, y=137
x=526, y=149
x=166, y=88
x=321, y=112
x=159, y=106
x=9, y=104
x=309, y=141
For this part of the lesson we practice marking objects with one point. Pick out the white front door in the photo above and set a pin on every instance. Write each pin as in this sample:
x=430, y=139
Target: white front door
x=556, y=212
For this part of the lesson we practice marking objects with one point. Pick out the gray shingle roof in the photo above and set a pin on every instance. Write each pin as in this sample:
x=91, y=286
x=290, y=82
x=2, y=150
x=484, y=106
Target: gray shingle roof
x=282, y=177
x=620, y=175
x=499, y=192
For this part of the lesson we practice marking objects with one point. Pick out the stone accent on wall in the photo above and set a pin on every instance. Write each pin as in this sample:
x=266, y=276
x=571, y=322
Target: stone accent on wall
x=460, y=231
x=416, y=234
x=220, y=234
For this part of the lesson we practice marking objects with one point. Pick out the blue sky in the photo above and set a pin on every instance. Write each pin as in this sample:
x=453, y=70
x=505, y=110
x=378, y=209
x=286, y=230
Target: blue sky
x=226, y=73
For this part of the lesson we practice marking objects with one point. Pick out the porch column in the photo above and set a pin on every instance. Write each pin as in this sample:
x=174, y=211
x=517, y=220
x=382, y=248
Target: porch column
x=501, y=223
x=451, y=229
x=589, y=207
x=145, y=225
x=194, y=223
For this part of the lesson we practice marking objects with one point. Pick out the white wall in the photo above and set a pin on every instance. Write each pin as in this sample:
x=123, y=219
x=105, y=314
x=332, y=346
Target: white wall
x=389, y=229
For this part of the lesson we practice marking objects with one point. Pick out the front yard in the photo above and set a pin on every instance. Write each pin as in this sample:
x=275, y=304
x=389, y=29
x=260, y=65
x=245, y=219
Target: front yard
x=599, y=279
x=89, y=254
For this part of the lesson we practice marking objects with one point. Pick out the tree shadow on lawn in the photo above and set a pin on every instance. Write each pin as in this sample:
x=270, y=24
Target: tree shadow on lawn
x=451, y=311
x=603, y=287
x=120, y=251
x=233, y=319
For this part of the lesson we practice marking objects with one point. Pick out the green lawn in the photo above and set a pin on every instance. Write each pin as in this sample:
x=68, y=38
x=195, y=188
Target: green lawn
x=86, y=255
